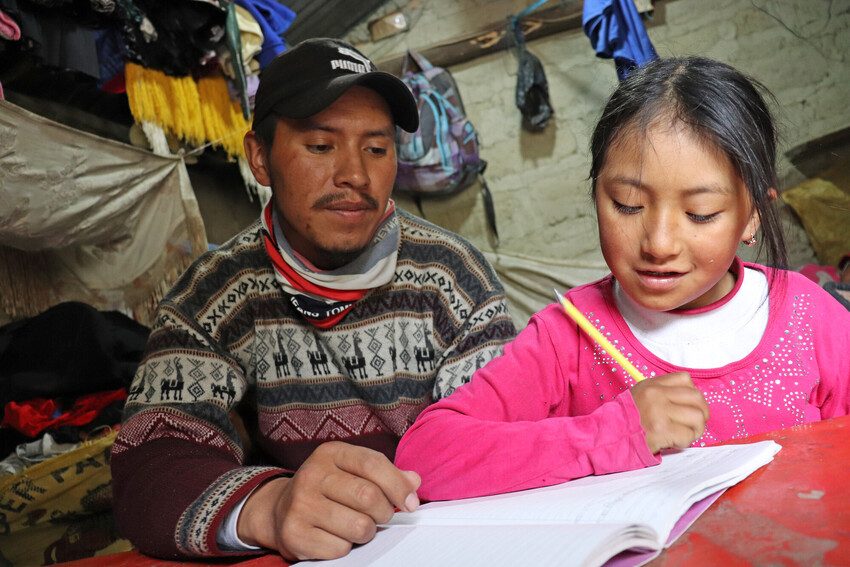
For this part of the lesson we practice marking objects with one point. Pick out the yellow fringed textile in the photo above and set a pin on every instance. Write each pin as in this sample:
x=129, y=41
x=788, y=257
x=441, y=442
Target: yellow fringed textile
x=222, y=115
x=196, y=112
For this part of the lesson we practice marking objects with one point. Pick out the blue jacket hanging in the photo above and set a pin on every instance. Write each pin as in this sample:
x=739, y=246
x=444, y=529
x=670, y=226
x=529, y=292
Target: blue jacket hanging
x=274, y=19
x=615, y=30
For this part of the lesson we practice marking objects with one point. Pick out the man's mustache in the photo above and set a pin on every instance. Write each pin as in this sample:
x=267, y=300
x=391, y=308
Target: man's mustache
x=332, y=198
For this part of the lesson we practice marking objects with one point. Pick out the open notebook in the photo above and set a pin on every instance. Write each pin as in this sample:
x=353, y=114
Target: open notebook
x=588, y=521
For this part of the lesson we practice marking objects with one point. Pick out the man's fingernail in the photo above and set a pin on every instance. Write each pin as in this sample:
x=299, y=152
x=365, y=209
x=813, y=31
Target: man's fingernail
x=411, y=502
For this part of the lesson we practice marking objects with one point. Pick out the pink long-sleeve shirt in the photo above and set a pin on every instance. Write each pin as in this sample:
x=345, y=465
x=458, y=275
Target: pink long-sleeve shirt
x=555, y=406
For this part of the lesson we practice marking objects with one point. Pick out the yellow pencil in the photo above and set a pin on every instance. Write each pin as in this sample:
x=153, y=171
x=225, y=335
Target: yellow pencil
x=594, y=334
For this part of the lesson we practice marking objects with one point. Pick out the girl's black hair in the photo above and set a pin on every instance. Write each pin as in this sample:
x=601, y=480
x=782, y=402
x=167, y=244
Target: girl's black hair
x=719, y=104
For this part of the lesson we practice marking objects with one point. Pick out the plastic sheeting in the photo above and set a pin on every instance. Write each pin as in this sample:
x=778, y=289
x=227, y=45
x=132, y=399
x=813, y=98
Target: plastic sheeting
x=824, y=210
x=529, y=280
x=83, y=218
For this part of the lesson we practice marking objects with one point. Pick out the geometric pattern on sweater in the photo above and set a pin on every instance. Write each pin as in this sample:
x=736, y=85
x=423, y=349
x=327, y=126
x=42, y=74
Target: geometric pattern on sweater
x=226, y=336
x=381, y=362
x=193, y=527
x=164, y=422
x=336, y=423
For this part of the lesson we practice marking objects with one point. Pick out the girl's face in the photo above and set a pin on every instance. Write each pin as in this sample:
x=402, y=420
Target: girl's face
x=671, y=211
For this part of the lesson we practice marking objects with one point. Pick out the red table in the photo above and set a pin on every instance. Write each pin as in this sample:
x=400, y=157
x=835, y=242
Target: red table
x=794, y=511
x=136, y=559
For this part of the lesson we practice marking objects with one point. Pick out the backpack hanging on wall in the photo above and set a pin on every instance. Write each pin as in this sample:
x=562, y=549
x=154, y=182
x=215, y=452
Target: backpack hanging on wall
x=441, y=158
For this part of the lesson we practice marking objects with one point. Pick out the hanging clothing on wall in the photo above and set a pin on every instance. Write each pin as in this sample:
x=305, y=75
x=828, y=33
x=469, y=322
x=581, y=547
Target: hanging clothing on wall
x=57, y=40
x=186, y=34
x=532, y=87
x=250, y=42
x=193, y=110
x=616, y=30
x=110, y=57
x=274, y=19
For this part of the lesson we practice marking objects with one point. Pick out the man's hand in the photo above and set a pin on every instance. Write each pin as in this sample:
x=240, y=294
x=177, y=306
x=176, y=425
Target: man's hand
x=672, y=411
x=336, y=499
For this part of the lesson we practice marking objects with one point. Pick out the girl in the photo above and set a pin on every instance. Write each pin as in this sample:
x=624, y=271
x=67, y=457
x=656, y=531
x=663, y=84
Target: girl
x=683, y=170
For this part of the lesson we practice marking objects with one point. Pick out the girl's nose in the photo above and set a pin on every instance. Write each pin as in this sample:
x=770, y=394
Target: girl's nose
x=661, y=239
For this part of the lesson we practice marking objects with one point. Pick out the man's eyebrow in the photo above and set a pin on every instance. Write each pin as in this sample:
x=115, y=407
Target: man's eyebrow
x=308, y=125
x=695, y=190
x=387, y=132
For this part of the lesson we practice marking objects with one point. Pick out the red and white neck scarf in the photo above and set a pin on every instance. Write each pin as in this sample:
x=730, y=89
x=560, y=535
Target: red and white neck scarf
x=324, y=297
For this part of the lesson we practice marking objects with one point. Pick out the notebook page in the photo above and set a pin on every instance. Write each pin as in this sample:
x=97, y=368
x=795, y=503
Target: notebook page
x=654, y=496
x=491, y=546
x=635, y=558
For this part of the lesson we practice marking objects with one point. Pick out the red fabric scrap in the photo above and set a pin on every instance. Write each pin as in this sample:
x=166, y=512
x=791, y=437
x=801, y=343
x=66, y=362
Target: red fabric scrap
x=34, y=416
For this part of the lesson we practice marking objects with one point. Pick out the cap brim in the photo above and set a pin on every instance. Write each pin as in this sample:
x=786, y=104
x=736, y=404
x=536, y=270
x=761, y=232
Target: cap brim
x=398, y=96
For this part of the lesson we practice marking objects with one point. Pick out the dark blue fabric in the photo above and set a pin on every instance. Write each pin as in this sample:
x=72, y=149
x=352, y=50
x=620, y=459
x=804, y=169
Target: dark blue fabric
x=616, y=31
x=274, y=20
x=110, y=54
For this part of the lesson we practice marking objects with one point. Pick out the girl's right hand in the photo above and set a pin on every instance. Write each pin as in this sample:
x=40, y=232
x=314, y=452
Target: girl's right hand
x=672, y=411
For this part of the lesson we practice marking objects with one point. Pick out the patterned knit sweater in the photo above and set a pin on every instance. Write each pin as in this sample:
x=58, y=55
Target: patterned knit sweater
x=225, y=339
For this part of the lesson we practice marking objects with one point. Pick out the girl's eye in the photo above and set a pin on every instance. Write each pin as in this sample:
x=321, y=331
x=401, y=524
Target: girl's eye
x=626, y=209
x=319, y=148
x=702, y=218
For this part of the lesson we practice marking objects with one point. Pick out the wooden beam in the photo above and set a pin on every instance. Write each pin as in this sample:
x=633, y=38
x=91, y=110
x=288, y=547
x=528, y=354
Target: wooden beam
x=812, y=158
x=495, y=37
x=328, y=18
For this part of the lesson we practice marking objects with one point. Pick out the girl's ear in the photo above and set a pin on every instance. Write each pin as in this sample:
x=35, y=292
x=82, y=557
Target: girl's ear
x=755, y=220
x=257, y=158
x=751, y=228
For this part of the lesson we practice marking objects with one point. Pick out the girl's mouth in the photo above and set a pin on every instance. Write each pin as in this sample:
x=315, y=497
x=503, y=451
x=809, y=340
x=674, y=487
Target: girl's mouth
x=658, y=280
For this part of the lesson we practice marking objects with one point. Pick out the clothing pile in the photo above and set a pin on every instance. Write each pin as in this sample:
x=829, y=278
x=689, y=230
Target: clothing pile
x=188, y=67
x=63, y=383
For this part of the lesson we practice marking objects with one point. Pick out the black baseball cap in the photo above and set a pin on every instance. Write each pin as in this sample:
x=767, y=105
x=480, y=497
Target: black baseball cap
x=309, y=77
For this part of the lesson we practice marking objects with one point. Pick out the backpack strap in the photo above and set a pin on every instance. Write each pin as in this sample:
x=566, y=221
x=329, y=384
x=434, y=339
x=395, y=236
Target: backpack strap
x=407, y=64
x=417, y=198
x=418, y=59
x=489, y=207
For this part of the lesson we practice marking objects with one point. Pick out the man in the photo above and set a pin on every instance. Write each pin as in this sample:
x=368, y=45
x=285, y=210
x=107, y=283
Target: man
x=328, y=326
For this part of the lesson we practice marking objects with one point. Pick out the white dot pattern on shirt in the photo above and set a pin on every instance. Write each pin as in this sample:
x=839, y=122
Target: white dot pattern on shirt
x=776, y=383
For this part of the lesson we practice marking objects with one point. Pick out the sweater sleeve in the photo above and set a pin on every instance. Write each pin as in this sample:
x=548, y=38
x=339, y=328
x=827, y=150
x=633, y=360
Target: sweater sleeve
x=831, y=323
x=510, y=428
x=177, y=463
x=480, y=339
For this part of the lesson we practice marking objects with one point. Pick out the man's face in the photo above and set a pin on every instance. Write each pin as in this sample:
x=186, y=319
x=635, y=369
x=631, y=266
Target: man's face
x=331, y=175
